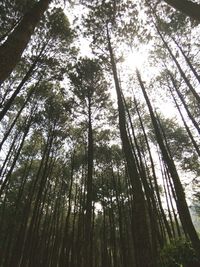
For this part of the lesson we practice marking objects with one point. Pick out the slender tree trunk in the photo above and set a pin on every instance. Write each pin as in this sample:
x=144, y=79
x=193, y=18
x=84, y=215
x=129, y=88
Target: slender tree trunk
x=10, y=101
x=88, y=219
x=196, y=125
x=9, y=155
x=30, y=240
x=6, y=181
x=121, y=234
x=7, y=133
x=80, y=227
x=11, y=50
x=113, y=227
x=73, y=231
x=143, y=253
x=167, y=197
x=104, y=257
x=23, y=229
x=170, y=194
x=182, y=206
x=185, y=124
x=189, y=85
x=188, y=61
x=156, y=187
x=64, y=254
x=152, y=209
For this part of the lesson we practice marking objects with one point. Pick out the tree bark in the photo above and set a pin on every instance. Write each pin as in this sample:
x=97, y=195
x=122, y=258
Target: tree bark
x=196, y=125
x=88, y=220
x=10, y=101
x=183, y=75
x=7, y=133
x=182, y=206
x=8, y=176
x=188, y=61
x=65, y=240
x=185, y=124
x=143, y=253
x=189, y=8
x=156, y=187
x=11, y=50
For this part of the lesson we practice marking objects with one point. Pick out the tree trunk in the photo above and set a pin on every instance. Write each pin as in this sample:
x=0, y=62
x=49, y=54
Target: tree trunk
x=64, y=252
x=188, y=61
x=11, y=50
x=143, y=253
x=88, y=219
x=35, y=218
x=185, y=124
x=7, y=133
x=189, y=8
x=123, y=245
x=182, y=206
x=196, y=125
x=156, y=187
x=9, y=155
x=189, y=85
x=10, y=101
x=150, y=198
x=6, y=181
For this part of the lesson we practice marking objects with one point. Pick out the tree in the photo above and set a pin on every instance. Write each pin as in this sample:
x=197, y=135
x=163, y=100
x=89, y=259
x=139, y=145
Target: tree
x=90, y=181
x=105, y=26
x=90, y=87
x=11, y=50
x=182, y=206
x=188, y=7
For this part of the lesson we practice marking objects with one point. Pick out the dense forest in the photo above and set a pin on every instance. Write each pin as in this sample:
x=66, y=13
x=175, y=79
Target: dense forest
x=99, y=133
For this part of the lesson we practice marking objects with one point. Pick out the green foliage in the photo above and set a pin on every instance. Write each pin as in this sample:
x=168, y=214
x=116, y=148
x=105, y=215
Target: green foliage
x=89, y=87
x=178, y=253
x=173, y=24
x=47, y=188
x=58, y=25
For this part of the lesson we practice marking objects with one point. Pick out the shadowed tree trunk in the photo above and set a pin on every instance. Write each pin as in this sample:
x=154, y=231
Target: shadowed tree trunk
x=188, y=61
x=9, y=154
x=143, y=253
x=88, y=220
x=7, y=133
x=182, y=73
x=185, y=124
x=150, y=198
x=196, y=125
x=10, y=101
x=170, y=186
x=11, y=50
x=19, y=244
x=190, y=8
x=156, y=187
x=8, y=176
x=64, y=251
x=182, y=206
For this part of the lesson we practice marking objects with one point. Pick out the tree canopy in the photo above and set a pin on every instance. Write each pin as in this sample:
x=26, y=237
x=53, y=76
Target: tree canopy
x=99, y=140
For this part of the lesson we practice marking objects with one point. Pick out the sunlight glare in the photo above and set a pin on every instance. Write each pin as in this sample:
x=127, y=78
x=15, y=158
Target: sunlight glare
x=136, y=59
